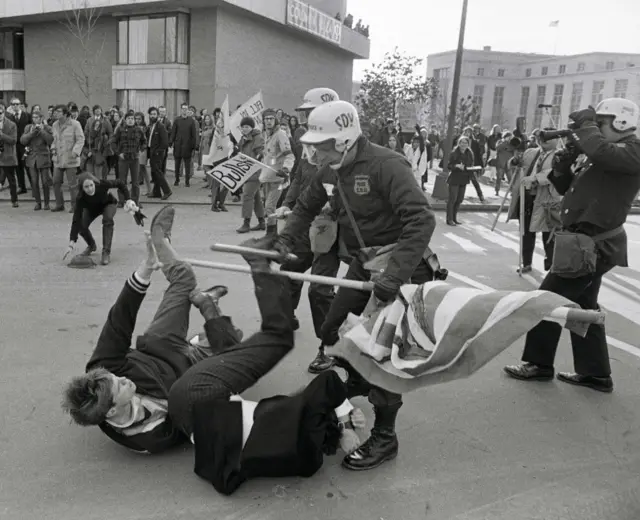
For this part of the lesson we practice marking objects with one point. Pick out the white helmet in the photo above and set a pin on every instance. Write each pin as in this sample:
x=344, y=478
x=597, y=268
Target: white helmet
x=316, y=97
x=625, y=113
x=335, y=121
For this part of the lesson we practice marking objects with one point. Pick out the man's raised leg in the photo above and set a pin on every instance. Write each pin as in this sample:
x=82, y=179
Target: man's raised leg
x=238, y=368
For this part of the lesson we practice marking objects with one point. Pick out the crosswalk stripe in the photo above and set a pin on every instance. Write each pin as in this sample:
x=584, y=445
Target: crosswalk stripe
x=467, y=245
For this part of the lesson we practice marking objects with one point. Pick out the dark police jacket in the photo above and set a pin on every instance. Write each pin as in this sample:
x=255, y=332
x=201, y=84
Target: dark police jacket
x=386, y=201
x=598, y=197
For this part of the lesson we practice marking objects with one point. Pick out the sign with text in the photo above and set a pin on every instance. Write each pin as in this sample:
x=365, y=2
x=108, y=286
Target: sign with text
x=251, y=108
x=310, y=19
x=232, y=174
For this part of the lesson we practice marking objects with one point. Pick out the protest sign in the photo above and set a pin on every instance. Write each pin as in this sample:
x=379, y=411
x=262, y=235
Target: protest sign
x=251, y=108
x=232, y=174
x=221, y=148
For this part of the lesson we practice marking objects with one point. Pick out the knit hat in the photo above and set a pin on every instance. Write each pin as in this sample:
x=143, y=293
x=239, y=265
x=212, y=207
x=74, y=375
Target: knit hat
x=248, y=121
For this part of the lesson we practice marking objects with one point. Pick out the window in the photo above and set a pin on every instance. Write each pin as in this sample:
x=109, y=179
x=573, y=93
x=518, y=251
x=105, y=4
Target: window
x=620, y=90
x=558, y=91
x=480, y=71
x=537, y=115
x=11, y=49
x=524, y=101
x=562, y=69
x=609, y=65
x=478, y=97
x=581, y=66
x=597, y=93
x=576, y=97
x=545, y=70
x=501, y=73
x=141, y=100
x=153, y=39
x=527, y=73
x=498, y=99
x=440, y=73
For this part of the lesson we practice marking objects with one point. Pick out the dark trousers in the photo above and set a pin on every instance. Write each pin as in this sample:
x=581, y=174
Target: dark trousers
x=476, y=185
x=218, y=194
x=590, y=354
x=9, y=172
x=529, y=238
x=320, y=296
x=239, y=367
x=156, y=163
x=108, y=213
x=354, y=301
x=44, y=175
x=20, y=171
x=188, y=165
x=126, y=166
x=456, y=196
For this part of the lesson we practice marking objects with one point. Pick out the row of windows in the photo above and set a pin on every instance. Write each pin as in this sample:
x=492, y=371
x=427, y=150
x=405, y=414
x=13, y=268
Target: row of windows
x=544, y=71
x=597, y=95
x=11, y=49
x=141, y=100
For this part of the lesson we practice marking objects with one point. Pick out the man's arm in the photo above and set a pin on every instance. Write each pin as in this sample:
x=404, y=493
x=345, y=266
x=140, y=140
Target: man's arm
x=79, y=135
x=307, y=207
x=162, y=136
x=173, y=131
x=119, y=185
x=621, y=157
x=294, y=190
x=285, y=148
x=115, y=339
x=409, y=203
x=11, y=137
x=25, y=138
x=46, y=134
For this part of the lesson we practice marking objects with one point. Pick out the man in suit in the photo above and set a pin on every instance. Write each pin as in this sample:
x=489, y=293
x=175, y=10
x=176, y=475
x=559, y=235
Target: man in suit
x=21, y=118
x=184, y=140
x=8, y=160
x=166, y=122
x=157, y=144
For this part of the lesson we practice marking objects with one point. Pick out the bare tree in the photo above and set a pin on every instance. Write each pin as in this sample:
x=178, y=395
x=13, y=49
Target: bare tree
x=82, y=52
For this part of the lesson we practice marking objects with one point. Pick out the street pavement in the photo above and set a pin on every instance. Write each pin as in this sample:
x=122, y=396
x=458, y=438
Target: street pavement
x=487, y=447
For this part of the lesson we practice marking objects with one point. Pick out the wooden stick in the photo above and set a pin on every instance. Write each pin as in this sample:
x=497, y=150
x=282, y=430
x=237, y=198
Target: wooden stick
x=504, y=199
x=562, y=313
x=522, y=227
x=241, y=250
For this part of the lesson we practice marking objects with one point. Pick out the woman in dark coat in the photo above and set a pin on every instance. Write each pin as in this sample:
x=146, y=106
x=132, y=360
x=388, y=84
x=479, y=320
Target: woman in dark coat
x=94, y=199
x=461, y=158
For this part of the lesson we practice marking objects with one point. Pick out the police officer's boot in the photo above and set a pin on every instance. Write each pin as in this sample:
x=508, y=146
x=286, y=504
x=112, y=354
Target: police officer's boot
x=381, y=446
x=321, y=362
x=245, y=228
x=260, y=226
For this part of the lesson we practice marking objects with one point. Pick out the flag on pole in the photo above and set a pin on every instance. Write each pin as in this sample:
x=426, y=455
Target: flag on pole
x=435, y=332
x=555, y=23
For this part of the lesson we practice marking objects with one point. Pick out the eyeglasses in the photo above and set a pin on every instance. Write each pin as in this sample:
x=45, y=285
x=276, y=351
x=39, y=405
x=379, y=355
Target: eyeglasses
x=15, y=104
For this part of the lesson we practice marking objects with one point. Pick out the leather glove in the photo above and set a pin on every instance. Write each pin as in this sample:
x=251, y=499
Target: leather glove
x=563, y=160
x=139, y=217
x=386, y=287
x=282, y=247
x=583, y=117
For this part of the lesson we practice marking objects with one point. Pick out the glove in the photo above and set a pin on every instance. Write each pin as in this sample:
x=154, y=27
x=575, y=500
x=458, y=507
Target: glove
x=282, y=212
x=130, y=206
x=386, y=287
x=139, y=217
x=69, y=250
x=282, y=247
x=583, y=117
x=563, y=159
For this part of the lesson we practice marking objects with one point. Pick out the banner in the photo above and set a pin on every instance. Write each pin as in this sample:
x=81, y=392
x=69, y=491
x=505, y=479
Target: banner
x=221, y=148
x=224, y=113
x=251, y=108
x=232, y=174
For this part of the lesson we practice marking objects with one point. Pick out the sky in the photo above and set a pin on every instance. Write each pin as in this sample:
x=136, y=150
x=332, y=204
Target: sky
x=422, y=27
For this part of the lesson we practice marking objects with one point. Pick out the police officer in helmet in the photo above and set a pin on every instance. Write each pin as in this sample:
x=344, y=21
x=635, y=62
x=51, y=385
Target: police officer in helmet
x=598, y=192
x=378, y=203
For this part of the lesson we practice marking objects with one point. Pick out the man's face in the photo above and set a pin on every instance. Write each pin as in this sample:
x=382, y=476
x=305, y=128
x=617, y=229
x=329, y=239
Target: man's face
x=162, y=112
x=97, y=113
x=36, y=118
x=15, y=105
x=607, y=131
x=190, y=113
x=50, y=112
x=245, y=129
x=59, y=115
x=326, y=154
x=74, y=115
x=130, y=120
x=183, y=110
x=269, y=122
x=153, y=116
x=122, y=390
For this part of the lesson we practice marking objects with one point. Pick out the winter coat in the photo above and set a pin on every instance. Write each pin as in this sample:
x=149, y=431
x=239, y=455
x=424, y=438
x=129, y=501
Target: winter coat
x=504, y=152
x=252, y=145
x=39, y=144
x=547, y=203
x=184, y=137
x=9, y=138
x=68, y=141
x=97, y=140
x=460, y=177
x=277, y=154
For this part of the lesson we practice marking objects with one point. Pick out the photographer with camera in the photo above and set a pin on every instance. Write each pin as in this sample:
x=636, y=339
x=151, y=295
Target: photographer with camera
x=598, y=194
x=37, y=139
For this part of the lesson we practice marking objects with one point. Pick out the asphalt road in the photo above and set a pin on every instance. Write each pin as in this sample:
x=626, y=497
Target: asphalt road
x=483, y=448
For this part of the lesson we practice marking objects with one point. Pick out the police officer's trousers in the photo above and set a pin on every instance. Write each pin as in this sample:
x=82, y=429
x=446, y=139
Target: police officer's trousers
x=590, y=354
x=354, y=302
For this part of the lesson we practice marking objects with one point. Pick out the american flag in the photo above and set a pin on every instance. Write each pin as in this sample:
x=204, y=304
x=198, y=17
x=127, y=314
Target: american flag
x=436, y=332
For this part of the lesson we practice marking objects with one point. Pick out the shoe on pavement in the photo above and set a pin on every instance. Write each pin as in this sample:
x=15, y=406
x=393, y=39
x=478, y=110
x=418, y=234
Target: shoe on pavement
x=163, y=219
x=601, y=384
x=525, y=269
x=105, y=259
x=529, y=372
x=89, y=250
x=321, y=362
x=260, y=226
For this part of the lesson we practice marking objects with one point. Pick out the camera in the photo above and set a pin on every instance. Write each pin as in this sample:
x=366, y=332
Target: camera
x=548, y=135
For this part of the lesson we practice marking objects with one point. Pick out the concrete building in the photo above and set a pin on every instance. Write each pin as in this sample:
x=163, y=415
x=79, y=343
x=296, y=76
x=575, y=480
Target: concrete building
x=138, y=53
x=507, y=85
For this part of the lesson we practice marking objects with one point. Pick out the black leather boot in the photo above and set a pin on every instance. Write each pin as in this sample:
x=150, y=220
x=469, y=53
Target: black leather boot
x=107, y=239
x=381, y=446
x=321, y=362
x=260, y=226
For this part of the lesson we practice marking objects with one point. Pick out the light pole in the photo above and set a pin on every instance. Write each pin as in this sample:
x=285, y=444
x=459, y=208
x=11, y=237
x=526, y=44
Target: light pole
x=455, y=88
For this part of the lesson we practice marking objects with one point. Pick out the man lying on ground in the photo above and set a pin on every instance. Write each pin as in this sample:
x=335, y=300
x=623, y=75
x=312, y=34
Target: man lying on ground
x=125, y=391
x=236, y=440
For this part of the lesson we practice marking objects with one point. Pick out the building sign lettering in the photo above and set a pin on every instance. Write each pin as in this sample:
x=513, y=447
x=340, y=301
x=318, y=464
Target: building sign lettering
x=310, y=19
